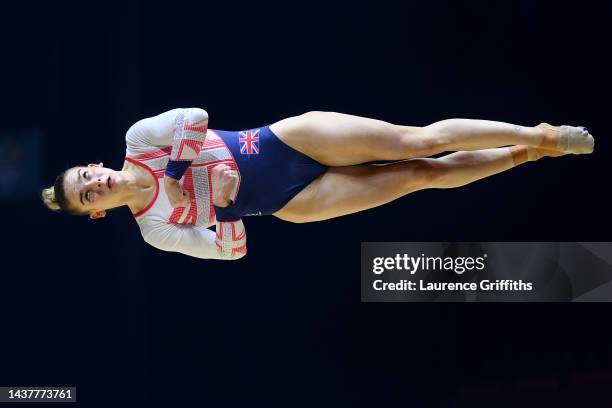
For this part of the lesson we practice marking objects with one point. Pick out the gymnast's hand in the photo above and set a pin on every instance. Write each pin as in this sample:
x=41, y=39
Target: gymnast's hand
x=177, y=195
x=224, y=181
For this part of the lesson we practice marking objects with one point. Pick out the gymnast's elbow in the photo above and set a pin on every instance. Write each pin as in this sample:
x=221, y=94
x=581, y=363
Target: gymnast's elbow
x=196, y=116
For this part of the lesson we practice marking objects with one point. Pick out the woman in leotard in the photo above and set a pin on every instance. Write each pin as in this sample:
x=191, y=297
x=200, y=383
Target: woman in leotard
x=180, y=177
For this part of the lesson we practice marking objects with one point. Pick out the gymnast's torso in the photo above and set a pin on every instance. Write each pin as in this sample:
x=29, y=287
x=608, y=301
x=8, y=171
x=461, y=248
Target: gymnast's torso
x=196, y=180
x=270, y=173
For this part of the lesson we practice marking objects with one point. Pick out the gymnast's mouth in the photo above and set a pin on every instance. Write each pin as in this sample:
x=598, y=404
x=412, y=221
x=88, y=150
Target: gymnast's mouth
x=109, y=183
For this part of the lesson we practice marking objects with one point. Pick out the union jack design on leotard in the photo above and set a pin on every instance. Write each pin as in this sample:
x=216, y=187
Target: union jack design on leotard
x=249, y=142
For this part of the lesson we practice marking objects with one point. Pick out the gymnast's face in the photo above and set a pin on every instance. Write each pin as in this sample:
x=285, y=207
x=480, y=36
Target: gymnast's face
x=93, y=189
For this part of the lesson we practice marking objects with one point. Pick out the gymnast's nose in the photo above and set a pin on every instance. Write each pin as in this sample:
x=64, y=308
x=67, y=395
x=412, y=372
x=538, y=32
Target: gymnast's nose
x=95, y=183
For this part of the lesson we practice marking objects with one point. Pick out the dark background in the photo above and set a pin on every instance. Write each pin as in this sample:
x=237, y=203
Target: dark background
x=90, y=304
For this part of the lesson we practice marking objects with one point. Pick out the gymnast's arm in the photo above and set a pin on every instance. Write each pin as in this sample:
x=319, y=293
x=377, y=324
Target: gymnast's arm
x=228, y=243
x=170, y=128
x=185, y=130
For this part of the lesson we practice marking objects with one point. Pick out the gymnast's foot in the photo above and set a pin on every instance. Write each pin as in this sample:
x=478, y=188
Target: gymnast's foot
x=567, y=139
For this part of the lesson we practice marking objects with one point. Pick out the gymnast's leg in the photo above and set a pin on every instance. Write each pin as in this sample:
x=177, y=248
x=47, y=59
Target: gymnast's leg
x=349, y=189
x=337, y=139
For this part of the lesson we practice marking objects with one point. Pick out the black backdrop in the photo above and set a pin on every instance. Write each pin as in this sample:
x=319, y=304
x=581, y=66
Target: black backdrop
x=90, y=304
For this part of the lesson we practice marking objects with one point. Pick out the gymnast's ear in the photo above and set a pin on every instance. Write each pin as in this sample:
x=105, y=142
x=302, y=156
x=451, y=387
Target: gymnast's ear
x=97, y=214
x=95, y=165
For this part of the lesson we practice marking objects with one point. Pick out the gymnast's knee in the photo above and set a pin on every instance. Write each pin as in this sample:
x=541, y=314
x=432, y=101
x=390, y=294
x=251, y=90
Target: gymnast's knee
x=421, y=142
x=427, y=173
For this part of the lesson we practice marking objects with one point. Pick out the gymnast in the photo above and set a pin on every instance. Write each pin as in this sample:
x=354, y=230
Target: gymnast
x=180, y=177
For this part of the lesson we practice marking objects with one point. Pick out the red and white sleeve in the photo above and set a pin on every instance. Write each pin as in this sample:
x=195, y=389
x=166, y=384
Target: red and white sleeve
x=228, y=243
x=230, y=238
x=184, y=129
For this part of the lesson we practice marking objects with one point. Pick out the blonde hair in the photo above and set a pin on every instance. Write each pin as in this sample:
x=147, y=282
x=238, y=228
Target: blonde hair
x=48, y=197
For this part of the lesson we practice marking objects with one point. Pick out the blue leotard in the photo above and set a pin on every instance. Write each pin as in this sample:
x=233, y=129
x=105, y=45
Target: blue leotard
x=271, y=172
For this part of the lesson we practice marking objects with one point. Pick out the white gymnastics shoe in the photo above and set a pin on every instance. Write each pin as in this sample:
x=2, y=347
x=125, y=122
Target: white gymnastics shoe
x=576, y=140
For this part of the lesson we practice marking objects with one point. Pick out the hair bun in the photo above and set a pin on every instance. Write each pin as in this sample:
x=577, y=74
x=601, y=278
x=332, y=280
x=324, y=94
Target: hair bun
x=48, y=197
